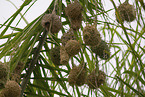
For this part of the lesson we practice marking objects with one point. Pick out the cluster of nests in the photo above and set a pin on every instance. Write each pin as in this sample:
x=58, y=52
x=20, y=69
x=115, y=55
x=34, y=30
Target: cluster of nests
x=71, y=46
x=78, y=76
x=125, y=12
x=10, y=86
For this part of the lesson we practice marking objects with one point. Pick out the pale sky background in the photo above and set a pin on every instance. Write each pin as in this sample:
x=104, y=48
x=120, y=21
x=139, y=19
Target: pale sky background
x=7, y=9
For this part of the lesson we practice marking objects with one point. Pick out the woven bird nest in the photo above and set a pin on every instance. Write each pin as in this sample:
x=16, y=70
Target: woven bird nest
x=126, y=12
x=94, y=80
x=73, y=10
x=91, y=36
x=102, y=50
x=55, y=55
x=67, y=36
x=72, y=47
x=52, y=19
x=12, y=89
x=76, y=23
x=64, y=57
x=77, y=75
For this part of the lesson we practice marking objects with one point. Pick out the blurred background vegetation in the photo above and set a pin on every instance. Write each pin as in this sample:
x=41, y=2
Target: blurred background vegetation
x=125, y=69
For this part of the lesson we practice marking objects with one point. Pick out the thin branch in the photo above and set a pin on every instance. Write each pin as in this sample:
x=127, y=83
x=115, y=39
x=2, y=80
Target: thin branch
x=36, y=55
x=33, y=62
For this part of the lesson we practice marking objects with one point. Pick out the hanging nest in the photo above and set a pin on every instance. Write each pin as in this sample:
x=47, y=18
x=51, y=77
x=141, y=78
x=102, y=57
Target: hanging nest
x=72, y=47
x=54, y=19
x=91, y=36
x=3, y=70
x=73, y=10
x=76, y=23
x=12, y=89
x=77, y=75
x=55, y=55
x=126, y=12
x=94, y=80
x=102, y=50
x=67, y=36
x=64, y=57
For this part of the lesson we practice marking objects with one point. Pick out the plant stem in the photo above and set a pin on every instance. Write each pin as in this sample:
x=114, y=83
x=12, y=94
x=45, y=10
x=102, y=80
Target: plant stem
x=33, y=62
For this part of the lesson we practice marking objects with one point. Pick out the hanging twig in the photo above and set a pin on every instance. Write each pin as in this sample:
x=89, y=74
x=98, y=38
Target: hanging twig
x=33, y=62
x=36, y=55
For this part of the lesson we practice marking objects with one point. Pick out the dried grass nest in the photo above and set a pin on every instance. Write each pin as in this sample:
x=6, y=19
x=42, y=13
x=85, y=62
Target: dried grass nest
x=55, y=55
x=77, y=75
x=73, y=11
x=64, y=57
x=102, y=50
x=91, y=36
x=126, y=12
x=68, y=36
x=72, y=47
x=12, y=89
x=54, y=19
x=94, y=80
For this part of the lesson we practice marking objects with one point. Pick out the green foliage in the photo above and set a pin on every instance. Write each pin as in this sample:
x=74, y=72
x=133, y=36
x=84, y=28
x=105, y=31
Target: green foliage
x=124, y=69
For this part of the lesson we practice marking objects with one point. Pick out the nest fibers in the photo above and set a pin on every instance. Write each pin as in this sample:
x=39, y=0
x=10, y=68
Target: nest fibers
x=55, y=55
x=12, y=89
x=102, y=50
x=76, y=23
x=72, y=47
x=91, y=36
x=94, y=80
x=64, y=57
x=73, y=11
x=126, y=12
x=67, y=36
x=77, y=75
x=54, y=19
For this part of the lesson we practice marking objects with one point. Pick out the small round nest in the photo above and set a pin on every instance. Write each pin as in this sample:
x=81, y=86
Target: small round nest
x=91, y=36
x=73, y=10
x=77, y=75
x=94, y=81
x=55, y=55
x=3, y=70
x=102, y=50
x=126, y=12
x=54, y=19
x=67, y=36
x=12, y=89
x=76, y=23
x=72, y=47
x=64, y=57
